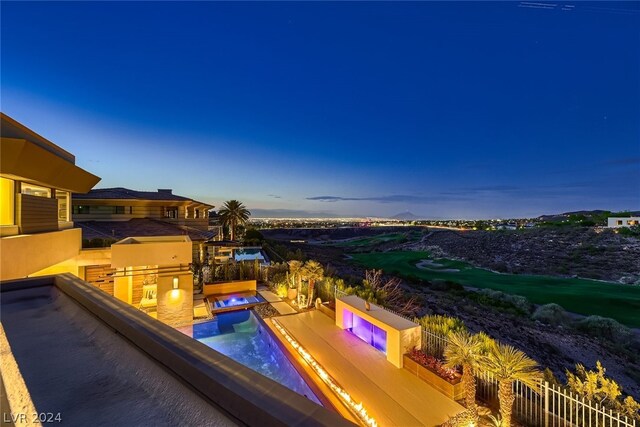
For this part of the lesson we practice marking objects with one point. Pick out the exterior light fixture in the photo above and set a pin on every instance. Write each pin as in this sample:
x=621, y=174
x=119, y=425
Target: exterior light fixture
x=175, y=282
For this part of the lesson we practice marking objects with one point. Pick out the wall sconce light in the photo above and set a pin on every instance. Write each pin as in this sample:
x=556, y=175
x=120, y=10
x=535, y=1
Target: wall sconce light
x=175, y=282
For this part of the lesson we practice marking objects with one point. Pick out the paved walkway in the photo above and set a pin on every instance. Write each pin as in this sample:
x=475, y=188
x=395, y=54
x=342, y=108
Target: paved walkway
x=394, y=397
x=276, y=302
x=270, y=296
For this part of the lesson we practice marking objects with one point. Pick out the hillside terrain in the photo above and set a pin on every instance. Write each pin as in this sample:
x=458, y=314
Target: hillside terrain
x=566, y=252
x=575, y=251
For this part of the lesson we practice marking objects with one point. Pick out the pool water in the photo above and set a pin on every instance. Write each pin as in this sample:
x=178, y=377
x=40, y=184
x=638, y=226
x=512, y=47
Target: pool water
x=240, y=336
x=248, y=254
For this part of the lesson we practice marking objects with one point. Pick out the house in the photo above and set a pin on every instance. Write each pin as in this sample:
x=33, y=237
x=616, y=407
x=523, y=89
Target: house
x=617, y=222
x=37, y=179
x=123, y=204
x=112, y=214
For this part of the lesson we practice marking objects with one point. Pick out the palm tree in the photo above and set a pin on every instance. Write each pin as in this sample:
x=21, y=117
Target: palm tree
x=232, y=214
x=295, y=268
x=508, y=364
x=464, y=349
x=313, y=271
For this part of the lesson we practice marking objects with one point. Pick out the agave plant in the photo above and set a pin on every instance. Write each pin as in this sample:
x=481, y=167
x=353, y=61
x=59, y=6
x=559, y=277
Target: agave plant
x=508, y=364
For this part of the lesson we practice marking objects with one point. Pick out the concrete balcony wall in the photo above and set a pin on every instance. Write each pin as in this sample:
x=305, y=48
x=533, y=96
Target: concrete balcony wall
x=162, y=251
x=26, y=254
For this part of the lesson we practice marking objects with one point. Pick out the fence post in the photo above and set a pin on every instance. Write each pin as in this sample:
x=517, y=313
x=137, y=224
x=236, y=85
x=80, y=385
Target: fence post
x=546, y=404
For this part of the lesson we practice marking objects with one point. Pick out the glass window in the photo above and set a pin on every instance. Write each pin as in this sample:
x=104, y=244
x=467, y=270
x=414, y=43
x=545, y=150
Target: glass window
x=80, y=209
x=171, y=212
x=34, y=190
x=63, y=205
x=118, y=210
x=6, y=201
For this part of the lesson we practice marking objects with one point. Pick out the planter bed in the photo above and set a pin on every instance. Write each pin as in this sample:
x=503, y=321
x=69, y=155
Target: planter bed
x=452, y=389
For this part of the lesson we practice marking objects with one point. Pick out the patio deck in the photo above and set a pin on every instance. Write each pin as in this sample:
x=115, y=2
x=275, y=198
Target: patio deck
x=393, y=396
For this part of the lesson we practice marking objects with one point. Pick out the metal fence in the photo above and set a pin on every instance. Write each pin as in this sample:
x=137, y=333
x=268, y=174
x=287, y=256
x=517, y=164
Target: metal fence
x=548, y=406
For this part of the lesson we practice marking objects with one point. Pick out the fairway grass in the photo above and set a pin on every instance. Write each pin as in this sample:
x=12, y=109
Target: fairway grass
x=583, y=296
x=376, y=240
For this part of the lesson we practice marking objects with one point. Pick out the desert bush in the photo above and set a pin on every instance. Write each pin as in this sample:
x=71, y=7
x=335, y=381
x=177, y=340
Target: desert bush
x=552, y=314
x=606, y=328
x=325, y=287
x=442, y=325
x=281, y=288
x=97, y=242
x=438, y=285
x=515, y=304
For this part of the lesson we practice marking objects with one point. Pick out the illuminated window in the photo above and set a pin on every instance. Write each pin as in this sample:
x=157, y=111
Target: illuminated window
x=34, y=190
x=171, y=213
x=63, y=205
x=6, y=201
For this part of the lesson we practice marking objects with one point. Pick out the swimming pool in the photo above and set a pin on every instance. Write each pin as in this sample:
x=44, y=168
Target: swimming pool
x=240, y=336
x=248, y=254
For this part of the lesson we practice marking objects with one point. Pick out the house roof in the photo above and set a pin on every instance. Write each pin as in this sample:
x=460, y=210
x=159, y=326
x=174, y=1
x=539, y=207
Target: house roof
x=121, y=193
x=141, y=227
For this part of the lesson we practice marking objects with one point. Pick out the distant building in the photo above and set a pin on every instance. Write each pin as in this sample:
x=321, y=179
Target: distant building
x=117, y=213
x=123, y=204
x=617, y=222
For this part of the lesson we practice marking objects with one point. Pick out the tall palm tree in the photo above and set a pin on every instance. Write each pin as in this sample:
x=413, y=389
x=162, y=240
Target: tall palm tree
x=232, y=214
x=313, y=271
x=295, y=268
x=465, y=350
x=509, y=364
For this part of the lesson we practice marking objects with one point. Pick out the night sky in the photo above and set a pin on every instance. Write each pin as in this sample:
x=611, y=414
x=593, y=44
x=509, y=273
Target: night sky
x=447, y=110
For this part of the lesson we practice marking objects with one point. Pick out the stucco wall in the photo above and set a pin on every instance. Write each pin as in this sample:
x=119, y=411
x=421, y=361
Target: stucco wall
x=175, y=306
x=229, y=287
x=28, y=253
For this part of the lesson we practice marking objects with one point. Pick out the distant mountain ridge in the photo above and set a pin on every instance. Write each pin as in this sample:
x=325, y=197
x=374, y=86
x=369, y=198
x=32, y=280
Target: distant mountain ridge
x=405, y=216
x=591, y=213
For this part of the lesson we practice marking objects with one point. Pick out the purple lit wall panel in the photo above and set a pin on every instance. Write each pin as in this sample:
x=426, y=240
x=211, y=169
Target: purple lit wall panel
x=362, y=329
x=367, y=332
x=379, y=339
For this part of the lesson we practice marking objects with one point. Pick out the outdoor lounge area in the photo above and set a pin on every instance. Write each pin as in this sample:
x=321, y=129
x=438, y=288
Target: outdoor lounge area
x=391, y=396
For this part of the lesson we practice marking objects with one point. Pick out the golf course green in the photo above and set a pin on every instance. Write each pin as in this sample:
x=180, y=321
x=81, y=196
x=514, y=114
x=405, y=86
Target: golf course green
x=583, y=296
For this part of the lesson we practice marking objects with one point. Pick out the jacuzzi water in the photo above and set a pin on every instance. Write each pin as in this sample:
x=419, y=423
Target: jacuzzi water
x=234, y=301
x=239, y=335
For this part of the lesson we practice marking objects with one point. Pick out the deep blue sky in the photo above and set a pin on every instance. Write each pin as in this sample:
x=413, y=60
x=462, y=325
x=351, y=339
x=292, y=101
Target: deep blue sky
x=443, y=109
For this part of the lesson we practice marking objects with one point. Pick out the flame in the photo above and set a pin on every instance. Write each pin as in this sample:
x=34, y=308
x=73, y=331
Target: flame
x=357, y=408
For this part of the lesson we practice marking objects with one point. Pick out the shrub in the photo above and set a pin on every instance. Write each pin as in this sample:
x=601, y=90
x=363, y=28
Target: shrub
x=442, y=325
x=604, y=327
x=552, y=314
x=97, y=242
x=281, y=289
